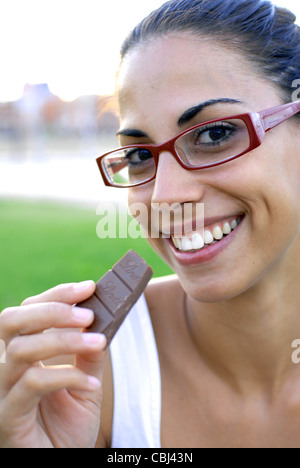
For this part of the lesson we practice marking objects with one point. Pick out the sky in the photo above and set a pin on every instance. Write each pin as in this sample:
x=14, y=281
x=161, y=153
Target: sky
x=73, y=45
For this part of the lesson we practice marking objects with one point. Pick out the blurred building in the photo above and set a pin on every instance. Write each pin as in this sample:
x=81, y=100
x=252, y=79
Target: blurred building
x=40, y=114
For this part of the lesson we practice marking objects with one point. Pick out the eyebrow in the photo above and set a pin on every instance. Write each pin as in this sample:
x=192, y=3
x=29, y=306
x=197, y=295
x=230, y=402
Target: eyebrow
x=132, y=133
x=184, y=119
x=193, y=111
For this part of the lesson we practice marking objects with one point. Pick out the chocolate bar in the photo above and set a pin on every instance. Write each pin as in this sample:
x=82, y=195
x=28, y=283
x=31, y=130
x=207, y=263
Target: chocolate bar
x=116, y=293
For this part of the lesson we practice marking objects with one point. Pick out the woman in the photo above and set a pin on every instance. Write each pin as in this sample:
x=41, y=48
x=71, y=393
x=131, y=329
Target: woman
x=204, y=359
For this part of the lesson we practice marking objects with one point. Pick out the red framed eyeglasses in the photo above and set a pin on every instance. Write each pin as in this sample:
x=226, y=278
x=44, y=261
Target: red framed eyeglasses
x=203, y=146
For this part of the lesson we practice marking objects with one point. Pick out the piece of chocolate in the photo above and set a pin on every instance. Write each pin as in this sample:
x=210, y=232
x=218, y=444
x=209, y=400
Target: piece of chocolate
x=116, y=293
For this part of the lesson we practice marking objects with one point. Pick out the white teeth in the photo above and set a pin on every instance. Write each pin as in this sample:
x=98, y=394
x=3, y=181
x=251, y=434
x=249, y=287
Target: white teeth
x=186, y=244
x=233, y=224
x=197, y=241
x=208, y=237
x=217, y=233
x=226, y=229
x=175, y=242
x=179, y=244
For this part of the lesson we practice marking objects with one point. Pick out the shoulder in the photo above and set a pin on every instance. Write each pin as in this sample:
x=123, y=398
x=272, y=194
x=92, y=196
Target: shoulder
x=162, y=290
x=163, y=296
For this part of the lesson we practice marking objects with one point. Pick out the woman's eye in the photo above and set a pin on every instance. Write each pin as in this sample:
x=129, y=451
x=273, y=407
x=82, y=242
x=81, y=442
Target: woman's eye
x=137, y=156
x=215, y=135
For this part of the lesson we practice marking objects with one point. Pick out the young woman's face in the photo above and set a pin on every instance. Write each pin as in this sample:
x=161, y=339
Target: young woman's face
x=157, y=84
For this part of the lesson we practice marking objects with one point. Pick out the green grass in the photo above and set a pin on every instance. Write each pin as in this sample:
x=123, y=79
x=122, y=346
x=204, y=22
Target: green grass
x=44, y=244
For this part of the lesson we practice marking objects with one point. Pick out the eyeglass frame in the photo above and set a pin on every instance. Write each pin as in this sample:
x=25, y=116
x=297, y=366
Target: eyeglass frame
x=257, y=123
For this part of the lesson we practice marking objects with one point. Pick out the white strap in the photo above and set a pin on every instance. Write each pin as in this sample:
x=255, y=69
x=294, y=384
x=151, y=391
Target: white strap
x=137, y=383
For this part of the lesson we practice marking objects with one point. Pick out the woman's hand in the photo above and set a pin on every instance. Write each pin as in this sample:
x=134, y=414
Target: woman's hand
x=44, y=406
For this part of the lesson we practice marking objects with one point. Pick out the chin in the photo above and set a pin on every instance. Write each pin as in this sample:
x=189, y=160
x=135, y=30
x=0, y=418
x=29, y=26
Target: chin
x=214, y=291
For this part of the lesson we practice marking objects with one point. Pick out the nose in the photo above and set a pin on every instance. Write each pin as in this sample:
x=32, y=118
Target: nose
x=174, y=184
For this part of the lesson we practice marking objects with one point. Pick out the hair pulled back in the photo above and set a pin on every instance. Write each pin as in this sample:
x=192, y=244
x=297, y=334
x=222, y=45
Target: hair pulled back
x=267, y=35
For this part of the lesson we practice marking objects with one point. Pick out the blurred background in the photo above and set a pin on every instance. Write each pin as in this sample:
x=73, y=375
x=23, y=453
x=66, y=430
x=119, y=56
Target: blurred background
x=57, y=114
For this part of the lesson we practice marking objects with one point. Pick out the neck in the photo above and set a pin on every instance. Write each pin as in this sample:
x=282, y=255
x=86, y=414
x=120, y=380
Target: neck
x=248, y=338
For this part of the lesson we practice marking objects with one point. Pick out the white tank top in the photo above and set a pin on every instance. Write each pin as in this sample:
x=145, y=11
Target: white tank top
x=137, y=383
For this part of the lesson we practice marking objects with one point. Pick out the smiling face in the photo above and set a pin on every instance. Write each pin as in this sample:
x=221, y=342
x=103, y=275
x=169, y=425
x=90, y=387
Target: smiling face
x=254, y=199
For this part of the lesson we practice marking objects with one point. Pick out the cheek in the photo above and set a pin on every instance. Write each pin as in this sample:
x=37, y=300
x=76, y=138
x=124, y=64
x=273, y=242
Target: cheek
x=282, y=183
x=141, y=195
x=269, y=186
x=139, y=205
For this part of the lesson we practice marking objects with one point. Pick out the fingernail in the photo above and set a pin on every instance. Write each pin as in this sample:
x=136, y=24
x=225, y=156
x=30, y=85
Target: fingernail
x=79, y=313
x=95, y=339
x=80, y=287
x=93, y=382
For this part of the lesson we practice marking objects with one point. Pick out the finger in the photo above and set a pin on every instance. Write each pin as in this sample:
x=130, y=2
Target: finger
x=38, y=381
x=93, y=363
x=34, y=348
x=38, y=317
x=23, y=352
x=71, y=293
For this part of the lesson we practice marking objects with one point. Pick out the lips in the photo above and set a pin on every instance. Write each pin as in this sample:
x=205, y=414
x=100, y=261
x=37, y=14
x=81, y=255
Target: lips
x=206, y=254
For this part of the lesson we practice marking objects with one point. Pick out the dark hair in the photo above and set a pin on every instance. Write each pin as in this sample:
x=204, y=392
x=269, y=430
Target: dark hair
x=266, y=34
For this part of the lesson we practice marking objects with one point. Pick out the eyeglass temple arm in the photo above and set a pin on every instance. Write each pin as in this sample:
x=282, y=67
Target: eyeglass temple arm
x=275, y=116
